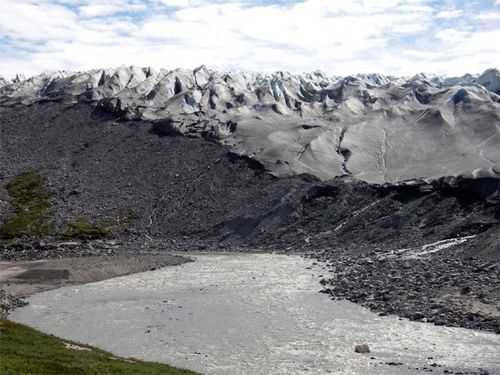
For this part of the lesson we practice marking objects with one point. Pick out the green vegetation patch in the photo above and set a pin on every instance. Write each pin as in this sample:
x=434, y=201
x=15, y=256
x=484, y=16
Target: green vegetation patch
x=127, y=220
x=105, y=227
x=32, y=219
x=30, y=200
x=24, y=350
x=84, y=230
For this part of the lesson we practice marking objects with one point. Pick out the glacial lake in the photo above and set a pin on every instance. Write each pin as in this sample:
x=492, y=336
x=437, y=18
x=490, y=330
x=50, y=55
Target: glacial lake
x=249, y=314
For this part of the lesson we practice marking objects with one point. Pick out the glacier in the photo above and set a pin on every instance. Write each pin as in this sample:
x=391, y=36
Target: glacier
x=371, y=127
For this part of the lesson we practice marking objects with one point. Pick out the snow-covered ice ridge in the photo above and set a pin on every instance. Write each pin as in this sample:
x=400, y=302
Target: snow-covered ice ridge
x=372, y=127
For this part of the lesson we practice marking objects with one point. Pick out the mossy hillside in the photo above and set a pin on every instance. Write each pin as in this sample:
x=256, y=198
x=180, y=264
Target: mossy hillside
x=126, y=221
x=30, y=199
x=32, y=218
x=24, y=350
x=85, y=230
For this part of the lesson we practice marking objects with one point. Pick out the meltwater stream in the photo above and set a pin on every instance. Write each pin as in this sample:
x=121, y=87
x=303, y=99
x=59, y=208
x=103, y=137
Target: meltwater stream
x=249, y=314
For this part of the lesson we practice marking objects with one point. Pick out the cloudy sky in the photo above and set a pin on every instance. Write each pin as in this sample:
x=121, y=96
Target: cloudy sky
x=340, y=37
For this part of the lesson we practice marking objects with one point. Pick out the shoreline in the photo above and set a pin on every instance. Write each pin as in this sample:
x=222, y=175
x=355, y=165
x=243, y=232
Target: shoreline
x=21, y=278
x=359, y=279
x=439, y=288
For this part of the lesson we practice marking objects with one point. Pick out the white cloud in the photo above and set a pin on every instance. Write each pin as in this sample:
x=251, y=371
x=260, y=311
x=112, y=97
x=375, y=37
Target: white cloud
x=450, y=13
x=35, y=21
x=452, y=35
x=388, y=36
x=176, y=3
x=489, y=16
x=409, y=28
x=414, y=8
x=100, y=8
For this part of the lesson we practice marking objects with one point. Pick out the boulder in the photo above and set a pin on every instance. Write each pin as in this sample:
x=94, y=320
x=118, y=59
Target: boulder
x=362, y=348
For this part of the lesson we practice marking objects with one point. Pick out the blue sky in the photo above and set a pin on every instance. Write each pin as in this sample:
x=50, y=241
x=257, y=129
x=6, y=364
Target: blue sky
x=339, y=37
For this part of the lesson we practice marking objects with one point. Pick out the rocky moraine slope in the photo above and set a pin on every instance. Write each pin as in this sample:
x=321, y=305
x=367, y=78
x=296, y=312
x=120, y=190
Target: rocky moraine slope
x=392, y=182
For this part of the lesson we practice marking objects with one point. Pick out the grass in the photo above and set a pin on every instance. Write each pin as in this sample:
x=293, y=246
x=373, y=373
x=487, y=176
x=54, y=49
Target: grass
x=84, y=230
x=24, y=350
x=127, y=220
x=30, y=200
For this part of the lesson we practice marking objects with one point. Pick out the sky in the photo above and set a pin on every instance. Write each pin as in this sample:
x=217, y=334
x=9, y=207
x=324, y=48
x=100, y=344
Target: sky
x=338, y=37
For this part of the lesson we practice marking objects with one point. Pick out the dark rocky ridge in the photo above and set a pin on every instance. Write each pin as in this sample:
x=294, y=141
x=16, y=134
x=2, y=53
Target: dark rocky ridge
x=194, y=193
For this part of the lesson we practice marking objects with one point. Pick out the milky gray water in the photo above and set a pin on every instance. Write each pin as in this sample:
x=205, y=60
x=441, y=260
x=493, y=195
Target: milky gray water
x=248, y=314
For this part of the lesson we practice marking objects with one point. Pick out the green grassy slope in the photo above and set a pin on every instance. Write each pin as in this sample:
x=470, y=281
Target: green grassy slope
x=24, y=350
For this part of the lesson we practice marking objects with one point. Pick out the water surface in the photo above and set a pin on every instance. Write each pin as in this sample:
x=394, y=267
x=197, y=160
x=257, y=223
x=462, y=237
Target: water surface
x=249, y=314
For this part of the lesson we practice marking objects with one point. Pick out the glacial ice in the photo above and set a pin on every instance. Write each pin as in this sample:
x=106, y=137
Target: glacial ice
x=372, y=127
